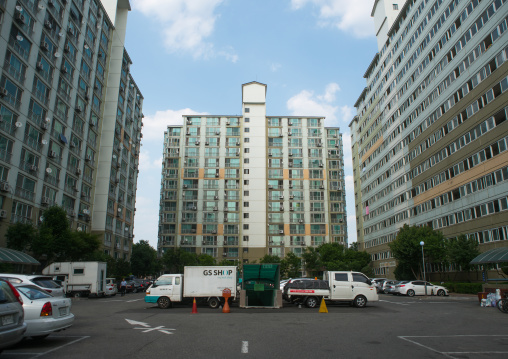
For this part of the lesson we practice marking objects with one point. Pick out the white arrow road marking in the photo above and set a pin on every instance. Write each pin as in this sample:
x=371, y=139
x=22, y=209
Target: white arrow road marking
x=245, y=347
x=133, y=322
x=146, y=327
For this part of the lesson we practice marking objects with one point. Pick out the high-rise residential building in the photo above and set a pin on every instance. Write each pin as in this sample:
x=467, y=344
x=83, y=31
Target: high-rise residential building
x=70, y=117
x=429, y=138
x=240, y=187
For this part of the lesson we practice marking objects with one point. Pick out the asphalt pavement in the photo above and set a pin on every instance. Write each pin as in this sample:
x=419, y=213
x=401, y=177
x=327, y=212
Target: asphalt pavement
x=395, y=327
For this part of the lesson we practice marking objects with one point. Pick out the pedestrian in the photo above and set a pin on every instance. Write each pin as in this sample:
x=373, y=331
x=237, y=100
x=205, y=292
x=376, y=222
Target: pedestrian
x=123, y=286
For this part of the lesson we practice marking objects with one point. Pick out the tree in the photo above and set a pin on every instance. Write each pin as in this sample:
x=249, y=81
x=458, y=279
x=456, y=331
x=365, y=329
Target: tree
x=20, y=236
x=143, y=259
x=176, y=259
x=206, y=260
x=54, y=239
x=461, y=251
x=354, y=246
x=311, y=260
x=290, y=266
x=407, y=250
x=268, y=258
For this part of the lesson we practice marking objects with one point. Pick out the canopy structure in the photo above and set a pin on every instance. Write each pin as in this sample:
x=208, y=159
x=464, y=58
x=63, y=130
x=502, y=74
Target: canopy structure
x=496, y=255
x=16, y=257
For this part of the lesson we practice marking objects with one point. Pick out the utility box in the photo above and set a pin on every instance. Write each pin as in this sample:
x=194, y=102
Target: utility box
x=261, y=286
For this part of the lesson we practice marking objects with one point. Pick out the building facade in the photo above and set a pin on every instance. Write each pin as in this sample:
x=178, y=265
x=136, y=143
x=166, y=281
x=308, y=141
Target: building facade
x=429, y=138
x=240, y=187
x=70, y=117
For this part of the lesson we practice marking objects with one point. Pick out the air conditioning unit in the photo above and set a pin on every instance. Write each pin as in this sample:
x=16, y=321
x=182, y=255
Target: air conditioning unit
x=78, y=109
x=193, y=230
x=67, y=49
x=214, y=232
x=281, y=232
x=39, y=66
x=44, y=125
x=334, y=136
x=3, y=213
x=303, y=244
x=270, y=154
x=225, y=219
x=52, y=154
x=4, y=92
x=290, y=124
x=291, y=209
x=281, y=208
x=291, y=197
x=217, y=132
x=270, y=187
x=45, y=200
x=321, y=187
x=20, y=17
x=336, y=145
x=290, y=165
x=319, y=144
x=238, y=143
x=197, y=143
x=217, y=175
x=226, y=209
x=207, y=143
x=290, y=154
x=64, y=71
x=92, y=123
x=88, y=158
x=281, y=197
x=290, y=134
x=78, y=171
x=216, y=197
x=4, y=186
x=48, y=25
x=290, y=186
x=194, y=208
x=72, y=213
x=321, y=164
x=215, y=208
x=183, y=219
x=117, y=180
x=184, y=186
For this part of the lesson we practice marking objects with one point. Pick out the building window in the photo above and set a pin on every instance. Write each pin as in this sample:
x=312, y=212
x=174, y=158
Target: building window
x=246, y=193
x=246, y=171
x=245, y=182
x=245, y=226
x=247, y=119
x=245, y=215
x=246, y=139
x=246, y=204
x=245, y=160
x=246, y=150
x=395, y=7
x=246, y=129
x=247, y=110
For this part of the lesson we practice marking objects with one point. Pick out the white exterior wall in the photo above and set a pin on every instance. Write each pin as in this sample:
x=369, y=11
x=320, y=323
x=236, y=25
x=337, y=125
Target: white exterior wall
x=254, y=97
x=384, y=15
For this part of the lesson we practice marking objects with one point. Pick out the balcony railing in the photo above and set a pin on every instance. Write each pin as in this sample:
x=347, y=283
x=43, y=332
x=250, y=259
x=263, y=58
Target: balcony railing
x=12, y=101
x=51, y=179
x=18, y=48
x=5, y=156
x=20, y=219
x=17, y=75
x=7, y=127
x=25, y=194
x=33, y=143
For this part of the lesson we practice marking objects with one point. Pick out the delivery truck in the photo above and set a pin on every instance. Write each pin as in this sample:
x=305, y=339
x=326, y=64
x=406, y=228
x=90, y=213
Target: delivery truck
x=204, y=283
x=80, y=278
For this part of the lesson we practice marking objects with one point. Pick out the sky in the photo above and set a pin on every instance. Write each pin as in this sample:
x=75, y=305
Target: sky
x=192, y=57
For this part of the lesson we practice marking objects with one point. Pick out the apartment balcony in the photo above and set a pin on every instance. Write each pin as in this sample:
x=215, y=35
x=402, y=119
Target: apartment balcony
x=167, y=231
x=41, y=97
x=7, y=127
x=25, y=194
x=20, y=219
x=231, y=242
x=14, y=73
x=29, y=168
x=11, y=100
x=209, y=243
x=5, y=156
x=32, y=143
x=51, y=179
x=187, y=242
x=14, y=42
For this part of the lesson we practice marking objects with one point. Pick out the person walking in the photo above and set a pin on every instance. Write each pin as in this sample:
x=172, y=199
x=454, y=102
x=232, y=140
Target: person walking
x=123, y=286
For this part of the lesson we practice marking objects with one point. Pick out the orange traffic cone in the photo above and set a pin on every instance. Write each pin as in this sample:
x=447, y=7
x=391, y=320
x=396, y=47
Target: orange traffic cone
x=194, y=307
x=226, y=307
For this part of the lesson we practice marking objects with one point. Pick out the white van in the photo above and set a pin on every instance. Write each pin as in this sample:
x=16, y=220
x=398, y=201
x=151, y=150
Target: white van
x=351, y=286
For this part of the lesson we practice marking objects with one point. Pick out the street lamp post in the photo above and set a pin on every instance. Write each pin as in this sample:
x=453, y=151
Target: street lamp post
x=422, y=243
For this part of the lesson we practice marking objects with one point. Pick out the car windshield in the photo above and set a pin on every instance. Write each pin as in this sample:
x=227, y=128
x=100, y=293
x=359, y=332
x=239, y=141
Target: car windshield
x=32, y=292
x=45, y=282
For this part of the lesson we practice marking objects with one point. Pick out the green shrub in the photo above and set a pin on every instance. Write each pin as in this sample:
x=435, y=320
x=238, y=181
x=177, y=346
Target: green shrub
x=464, y=288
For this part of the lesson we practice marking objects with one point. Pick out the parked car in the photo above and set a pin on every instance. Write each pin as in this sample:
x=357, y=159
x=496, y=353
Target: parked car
x=378, y=282
x=390, y=287
x=417, y=287
x=45, y=282
x=111, y=288
x=12, y=325
x=44, y=314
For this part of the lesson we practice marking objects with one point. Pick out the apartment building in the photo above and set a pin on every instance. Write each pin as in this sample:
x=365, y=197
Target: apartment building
x=429, y=138
x=240, y=187
x=70, y=117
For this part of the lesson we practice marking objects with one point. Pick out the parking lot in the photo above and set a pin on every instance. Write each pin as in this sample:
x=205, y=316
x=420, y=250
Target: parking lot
x=395, y=327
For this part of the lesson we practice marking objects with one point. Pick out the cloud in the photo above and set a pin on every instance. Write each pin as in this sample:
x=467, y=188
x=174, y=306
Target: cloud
x=346, y=15
x=186, y=25
x=307, y=104
x=154, y=126
x=274, y=67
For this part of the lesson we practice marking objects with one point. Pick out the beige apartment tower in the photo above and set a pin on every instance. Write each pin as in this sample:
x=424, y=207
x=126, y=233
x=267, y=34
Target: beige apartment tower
x=240, y=187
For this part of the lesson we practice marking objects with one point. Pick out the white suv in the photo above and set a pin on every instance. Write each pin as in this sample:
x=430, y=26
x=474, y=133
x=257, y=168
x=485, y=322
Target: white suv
x=44, y=282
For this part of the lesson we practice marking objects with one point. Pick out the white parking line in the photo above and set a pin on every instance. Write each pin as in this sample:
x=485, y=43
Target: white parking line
x=61, y=346
x=134, y=300
x=245, y=347
x=450, y=354
x=387, y=301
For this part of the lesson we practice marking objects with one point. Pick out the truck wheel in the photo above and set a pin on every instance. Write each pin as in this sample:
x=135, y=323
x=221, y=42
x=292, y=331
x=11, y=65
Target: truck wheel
x=360, y=301
x=214, y=303
x=164, y=302
x=311, y=302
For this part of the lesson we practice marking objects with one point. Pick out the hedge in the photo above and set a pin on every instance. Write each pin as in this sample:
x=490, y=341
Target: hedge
x=464, y=288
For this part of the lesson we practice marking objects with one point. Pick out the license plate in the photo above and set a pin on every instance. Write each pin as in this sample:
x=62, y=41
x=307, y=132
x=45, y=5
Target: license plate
x=63, y=311
x=7, y=319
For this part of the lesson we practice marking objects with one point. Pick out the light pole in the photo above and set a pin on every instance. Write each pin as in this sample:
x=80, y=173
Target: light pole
x=422, y=243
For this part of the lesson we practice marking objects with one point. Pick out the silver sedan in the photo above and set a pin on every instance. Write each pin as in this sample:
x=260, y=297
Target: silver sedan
x=44, y=314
